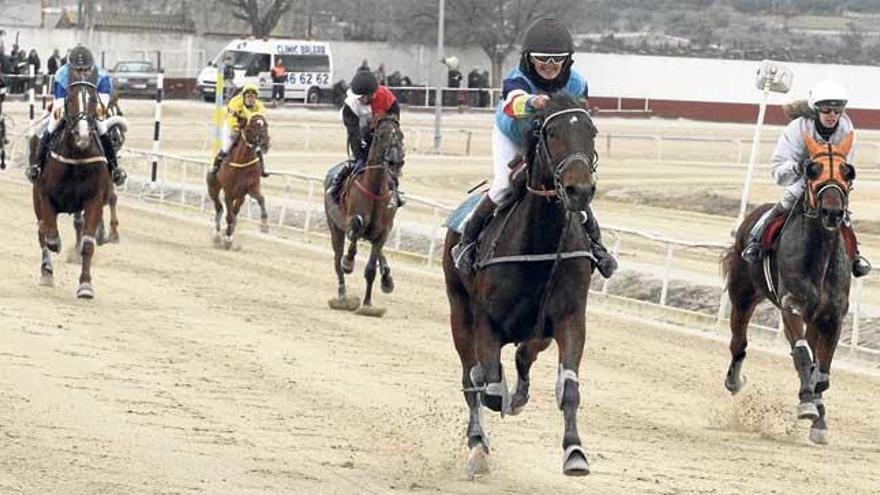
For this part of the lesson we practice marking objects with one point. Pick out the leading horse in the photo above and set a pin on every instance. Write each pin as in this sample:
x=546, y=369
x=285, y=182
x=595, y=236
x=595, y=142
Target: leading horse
x=239, y=176
x=533, y=274
x=75, y=178
x=366, y=209
x=807, y=277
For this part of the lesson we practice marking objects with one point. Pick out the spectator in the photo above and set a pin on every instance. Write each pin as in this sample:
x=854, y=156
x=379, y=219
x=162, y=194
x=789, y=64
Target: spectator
x=485, y=100
x=364, y=66
x=279, y=78
x=380, y=75
x=228, y=76
x=454, y=81
x=473, y=82
x=54, y=63
x=406, y=95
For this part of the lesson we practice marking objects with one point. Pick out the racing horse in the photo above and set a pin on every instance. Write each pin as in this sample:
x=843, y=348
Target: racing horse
x=239, y=176
x=366, y=209
x=807, y=276
x=532, y=277
x=75, y=178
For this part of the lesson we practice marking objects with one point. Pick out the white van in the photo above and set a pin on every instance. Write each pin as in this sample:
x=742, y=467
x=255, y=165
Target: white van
x=309, y=67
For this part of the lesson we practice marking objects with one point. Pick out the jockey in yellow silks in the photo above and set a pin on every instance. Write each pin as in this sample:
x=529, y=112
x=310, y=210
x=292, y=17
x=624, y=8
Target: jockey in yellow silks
x=239, y=111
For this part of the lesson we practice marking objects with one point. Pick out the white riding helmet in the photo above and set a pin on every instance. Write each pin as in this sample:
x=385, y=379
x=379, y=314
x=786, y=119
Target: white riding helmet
x=828, y=92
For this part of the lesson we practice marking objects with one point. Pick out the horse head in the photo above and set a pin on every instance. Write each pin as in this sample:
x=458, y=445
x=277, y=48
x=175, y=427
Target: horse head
x=81, y=112
x=564, y=160
x=829, y=180
x=256, y=133
x=387, y=148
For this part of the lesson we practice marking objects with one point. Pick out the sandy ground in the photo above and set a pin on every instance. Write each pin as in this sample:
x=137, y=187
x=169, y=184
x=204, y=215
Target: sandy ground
x=197, y=370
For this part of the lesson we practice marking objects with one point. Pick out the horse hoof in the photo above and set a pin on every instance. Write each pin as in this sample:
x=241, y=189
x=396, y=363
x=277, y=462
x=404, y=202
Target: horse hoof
x=734, y=386
x=349, y=303
x=477, y=462
x=54, y=245
x=574, y=461
x=819, y=436
x=264, y=228
x=47, y=280
x=347, y=265
x=85, y=291
x=114, y=238
x=373, y=311
x=387, y=285
x=517, y=403
x=227, y=244
x=808, y=410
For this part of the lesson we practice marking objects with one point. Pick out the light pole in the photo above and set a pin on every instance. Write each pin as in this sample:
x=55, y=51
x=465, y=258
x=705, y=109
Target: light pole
x=438, y=97
x=771, y=76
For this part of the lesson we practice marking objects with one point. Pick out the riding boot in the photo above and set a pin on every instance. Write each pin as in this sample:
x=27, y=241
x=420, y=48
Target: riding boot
x=116, y=172
x=36, y=168
x=605, y=261
x=263, y=172
x=218, y=160
x=464, y=253
x=336, y=184
x=752, y=252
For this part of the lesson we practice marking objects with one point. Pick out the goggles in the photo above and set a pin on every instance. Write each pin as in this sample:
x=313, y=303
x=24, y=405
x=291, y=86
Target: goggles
x=549, y=58
x=826, y=109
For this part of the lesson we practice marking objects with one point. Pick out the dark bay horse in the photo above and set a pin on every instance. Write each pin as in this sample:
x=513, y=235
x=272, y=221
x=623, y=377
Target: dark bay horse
x=74, y=179
x=534, y=268
x=366, y=210
x=807, y=277
x=239, y=176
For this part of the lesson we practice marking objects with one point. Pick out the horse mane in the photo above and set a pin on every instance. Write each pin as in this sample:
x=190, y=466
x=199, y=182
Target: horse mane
x=559, y=101
x=799, y=108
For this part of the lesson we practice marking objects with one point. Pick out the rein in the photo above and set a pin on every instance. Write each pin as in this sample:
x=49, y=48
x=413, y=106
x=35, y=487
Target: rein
x=559, y=168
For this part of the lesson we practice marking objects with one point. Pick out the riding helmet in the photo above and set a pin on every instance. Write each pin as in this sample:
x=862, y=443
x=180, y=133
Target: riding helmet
x=364, y=83
x=250, y=88
x=547, y=36
x=828, y=93
x=80, y=57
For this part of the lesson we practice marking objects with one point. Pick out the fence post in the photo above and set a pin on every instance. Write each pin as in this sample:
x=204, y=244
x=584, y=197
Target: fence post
x=32, y=81
x=467, y=147
x=183, y=183
x=157, y=123
x=670, y=249
x=854, y=335
x=608, y=145
x=308, y=220
x=433, y=241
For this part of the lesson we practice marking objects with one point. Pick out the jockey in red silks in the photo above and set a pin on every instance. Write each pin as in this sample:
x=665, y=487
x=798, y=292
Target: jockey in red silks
x=364, y=101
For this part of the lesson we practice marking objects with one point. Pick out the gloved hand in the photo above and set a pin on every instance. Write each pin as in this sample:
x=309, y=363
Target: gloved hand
x=802, y=167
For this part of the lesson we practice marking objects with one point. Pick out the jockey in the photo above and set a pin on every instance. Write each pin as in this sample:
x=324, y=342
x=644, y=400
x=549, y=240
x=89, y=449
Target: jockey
x=240, y=109
x=824, y=119
x=80, y=63
x=544, y=68
x=364, y=101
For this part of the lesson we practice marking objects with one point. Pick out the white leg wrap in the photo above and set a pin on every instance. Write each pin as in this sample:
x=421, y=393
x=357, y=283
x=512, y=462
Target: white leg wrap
x=564, y=375
x=803, y=343
x=86, y=239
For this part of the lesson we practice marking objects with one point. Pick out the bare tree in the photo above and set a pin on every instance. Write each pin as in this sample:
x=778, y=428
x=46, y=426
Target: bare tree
x=249, y=12
x=496, y=26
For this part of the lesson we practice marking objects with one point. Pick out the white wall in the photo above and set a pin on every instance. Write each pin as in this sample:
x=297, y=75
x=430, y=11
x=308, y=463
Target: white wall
x=728, y=81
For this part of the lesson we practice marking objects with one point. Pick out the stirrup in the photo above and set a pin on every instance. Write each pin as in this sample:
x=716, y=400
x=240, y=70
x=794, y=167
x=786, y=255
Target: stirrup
x=32, y=172
x=459, y=252
x=605, y=261
x=119, y=176
x=752, y=253
x=860, y=267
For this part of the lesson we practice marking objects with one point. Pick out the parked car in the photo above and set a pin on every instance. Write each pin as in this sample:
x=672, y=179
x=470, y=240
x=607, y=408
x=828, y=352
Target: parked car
x=135, y=78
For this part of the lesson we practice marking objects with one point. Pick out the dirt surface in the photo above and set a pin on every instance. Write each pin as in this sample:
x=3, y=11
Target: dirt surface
x=198, y=370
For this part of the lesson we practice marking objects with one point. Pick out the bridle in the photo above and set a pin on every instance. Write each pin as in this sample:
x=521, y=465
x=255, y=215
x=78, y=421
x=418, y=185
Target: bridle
x=559, y=168
x=83, y=114
x=385, y=161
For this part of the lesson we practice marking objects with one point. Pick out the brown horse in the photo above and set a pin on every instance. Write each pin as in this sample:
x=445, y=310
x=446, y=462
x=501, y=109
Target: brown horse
x=74, y=179
x=366, y=209
x=807, y=277
x=534, y=269
x=239, y=176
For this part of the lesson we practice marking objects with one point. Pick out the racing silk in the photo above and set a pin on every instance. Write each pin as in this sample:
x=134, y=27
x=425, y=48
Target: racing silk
x=517, y=93
x=62, y=80
x=791, y=149
x=237, y=110
x=381, y=103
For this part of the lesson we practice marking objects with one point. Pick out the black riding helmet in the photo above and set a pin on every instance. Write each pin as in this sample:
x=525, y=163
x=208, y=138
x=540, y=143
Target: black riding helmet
x=364, y=83
x=80, y=57
x=547, y=36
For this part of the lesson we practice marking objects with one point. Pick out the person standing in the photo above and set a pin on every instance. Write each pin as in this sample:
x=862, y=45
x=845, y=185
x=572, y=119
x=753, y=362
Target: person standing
x=279, y=79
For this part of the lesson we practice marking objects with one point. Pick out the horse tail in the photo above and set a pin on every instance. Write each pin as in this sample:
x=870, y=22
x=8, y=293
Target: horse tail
x=729, y=264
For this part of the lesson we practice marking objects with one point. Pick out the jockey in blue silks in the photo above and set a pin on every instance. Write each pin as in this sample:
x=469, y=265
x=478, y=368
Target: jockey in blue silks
x=80, y=64
x=544, y=68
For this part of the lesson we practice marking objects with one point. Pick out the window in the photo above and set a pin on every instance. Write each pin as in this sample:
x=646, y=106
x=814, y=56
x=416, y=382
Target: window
x=306, y=63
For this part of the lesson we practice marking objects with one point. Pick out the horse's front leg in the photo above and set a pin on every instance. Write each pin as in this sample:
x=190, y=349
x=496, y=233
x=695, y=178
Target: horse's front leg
x=570, y=334
x=46, y=269
x=114, y=221
x=385, y=271
x=823, y=337
x=342, y=301
x=264, y=214
x=367, y=307
x=93, y=213
x=232, y=207
x=348, y=259
x=490, y=374
x=49, y=226
x=78, y=221
x=804, y=363
x=526, y=353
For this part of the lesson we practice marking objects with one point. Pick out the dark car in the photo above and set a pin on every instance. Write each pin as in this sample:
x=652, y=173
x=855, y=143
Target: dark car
x=135, y=78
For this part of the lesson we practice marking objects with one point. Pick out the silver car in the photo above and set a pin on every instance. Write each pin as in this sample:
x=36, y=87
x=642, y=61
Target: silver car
x=135, y=78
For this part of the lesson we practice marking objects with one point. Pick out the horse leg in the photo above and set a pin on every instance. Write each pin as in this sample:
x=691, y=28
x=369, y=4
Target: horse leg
x=214, y=194
x=93, y=212
x=114, y=221
x=348, y=259
x=804, y=363
x=49, y=226
x=367, y=307
x=526, y=353
x=570, y=335
x=495, y=394
x=742, y=308
x=46, y=269
x=264, y=215
x=385, y=271
x=342, y=301
x=74, y=256
x=825, y=345
x=231, y=212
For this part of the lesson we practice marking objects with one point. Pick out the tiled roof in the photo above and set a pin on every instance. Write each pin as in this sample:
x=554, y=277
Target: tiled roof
x=111, y=20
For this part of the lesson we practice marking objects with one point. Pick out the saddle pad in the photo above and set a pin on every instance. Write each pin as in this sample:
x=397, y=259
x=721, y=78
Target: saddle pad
x=459, y=217
x=771, y=233
x=849, y=240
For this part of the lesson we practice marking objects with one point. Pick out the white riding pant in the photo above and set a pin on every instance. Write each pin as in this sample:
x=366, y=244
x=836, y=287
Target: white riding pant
x=793, y=193
x=52, y=123
x=503, y=151
x=226, y=139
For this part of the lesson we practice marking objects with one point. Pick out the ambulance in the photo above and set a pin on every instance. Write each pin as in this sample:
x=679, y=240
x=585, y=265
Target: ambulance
x=309, y=67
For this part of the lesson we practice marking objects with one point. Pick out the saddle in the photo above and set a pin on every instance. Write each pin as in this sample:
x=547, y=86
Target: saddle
x=770, y=238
